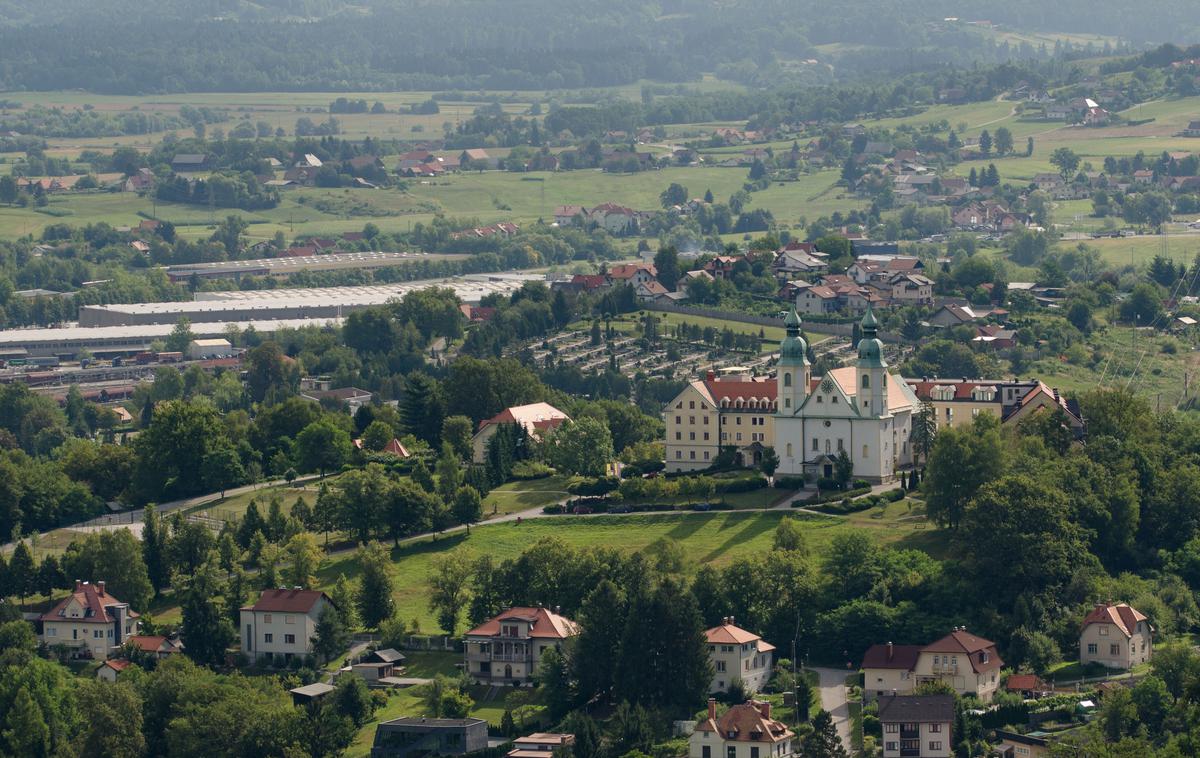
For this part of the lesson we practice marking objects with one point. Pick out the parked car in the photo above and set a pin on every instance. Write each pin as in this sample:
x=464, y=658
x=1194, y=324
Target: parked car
x=702, y=507
x=621, y=509
x=581, y=510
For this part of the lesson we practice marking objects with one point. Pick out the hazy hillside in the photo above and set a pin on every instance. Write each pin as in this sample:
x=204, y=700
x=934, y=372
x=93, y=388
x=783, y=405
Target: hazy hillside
x=127, y=46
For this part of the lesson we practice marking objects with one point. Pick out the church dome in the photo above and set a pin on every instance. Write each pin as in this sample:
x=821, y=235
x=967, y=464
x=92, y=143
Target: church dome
x=870, y=348
x=793, y=350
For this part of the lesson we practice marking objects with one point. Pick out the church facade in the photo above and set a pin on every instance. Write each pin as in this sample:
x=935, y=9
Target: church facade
x=861, y=411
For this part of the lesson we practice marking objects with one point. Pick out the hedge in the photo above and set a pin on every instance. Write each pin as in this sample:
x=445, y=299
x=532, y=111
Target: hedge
x=831, y=496
x=601, y=486
x=791, y=482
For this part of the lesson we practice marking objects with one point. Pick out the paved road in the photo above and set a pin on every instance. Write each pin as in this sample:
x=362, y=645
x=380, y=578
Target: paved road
x=833, y=699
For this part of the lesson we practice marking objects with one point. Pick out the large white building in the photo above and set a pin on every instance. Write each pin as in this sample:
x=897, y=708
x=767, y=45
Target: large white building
x=282, y=623
x=861, y=410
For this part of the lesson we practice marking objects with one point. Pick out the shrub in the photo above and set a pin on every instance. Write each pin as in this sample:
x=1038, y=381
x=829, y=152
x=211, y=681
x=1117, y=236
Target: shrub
x=555, y=508
x=644, y=467
x=828, y=483
x=531, y=470
x=791, y=482
x=601, y=486
x=742, y=484
x=860, y=483
x=894, y=496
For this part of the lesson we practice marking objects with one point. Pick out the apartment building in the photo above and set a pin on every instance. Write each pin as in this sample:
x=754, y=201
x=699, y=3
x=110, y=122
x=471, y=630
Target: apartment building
x=917, y=726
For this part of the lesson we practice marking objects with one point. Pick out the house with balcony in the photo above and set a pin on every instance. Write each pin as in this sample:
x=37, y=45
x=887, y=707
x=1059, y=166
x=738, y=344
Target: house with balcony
x=738, y=655
x=744, y=731
x=969, y=664
x=1116, y=635
x=917, y=726
x=505, y=650
x=89, y=621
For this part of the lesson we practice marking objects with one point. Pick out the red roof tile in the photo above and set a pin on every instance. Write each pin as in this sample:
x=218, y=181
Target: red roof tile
x=95, y=606
x=747, y=722
x=287, y=601
x=1120, y=615
x=543, y=624
x=728, y=634
x=973, y=647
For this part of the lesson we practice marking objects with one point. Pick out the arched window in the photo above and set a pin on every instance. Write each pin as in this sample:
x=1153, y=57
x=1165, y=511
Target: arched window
x=789, y=450
x=787, y=379
x=866, y=381
x=787, y=402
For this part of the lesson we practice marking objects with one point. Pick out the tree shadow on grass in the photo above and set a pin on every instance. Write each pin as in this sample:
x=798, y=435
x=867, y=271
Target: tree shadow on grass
x=756, y=524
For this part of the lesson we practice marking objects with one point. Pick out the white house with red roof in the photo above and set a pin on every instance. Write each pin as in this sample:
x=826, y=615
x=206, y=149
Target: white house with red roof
x=969, y=664
x=745, y=730
x=632, y=274
x=505, y=650
x=538, y=419
x=90, y=621
x=281, y=624
x=1116, y=635
x=738, y=655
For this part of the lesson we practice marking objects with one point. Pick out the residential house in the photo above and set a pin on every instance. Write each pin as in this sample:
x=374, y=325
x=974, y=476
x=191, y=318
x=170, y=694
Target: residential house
x=1192, y=130
x=538, y=419
x=506, y=650
x=911, y=289
x=281, y=624
x=817, y=300
x=967, y=663
x=310, y=693
x=917, y=726
x=142, y=181
x=745, y=730
x=995, y=337
x=1017, y=745
x=632, y=274
x=650, y=291
x=90, y=621
x=140, y=247
x=569, y=215
x=111, y=669
x=953, y=315
x=721, y=267
x=1059, y=112
x=956, y=402
x=305, y=176
x=738, y=656
x=1048, y=182
x=613, y=218
x=799, y=259
x=1116, y=636
x=156, y=645
x=188, y=162
x=541, y=745
x=717, y=411
x=419, y=737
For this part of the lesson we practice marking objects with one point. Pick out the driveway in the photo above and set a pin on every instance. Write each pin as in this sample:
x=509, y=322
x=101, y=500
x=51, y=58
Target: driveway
x=833, y=699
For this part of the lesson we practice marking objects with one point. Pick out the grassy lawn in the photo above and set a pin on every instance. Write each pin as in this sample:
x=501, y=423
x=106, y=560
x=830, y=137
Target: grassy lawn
x=426, y=664
x=515, y=497
x=715, y=537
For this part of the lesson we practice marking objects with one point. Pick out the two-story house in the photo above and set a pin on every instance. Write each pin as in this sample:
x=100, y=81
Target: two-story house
x=1116, y=635
x=506, y=650
x=537, y=419
x=969, y=664
x=917, y=726
x=282, y=623
x=738, y=655
x=744, y=731
x=90, y=621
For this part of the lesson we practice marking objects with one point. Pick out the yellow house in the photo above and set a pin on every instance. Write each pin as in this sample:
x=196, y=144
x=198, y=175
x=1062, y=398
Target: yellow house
x=89, y=620
x=716, y=411
x=969, y=664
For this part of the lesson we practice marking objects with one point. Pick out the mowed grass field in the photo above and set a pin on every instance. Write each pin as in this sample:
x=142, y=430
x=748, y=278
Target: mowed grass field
x=715, y=537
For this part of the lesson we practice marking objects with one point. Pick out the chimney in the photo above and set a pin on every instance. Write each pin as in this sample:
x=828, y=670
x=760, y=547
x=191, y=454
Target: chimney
x=558, y=610
x=890, y=649
x=731, y=621
x=712, y=708
x=765, y=709
x=711, y=376
x=78, y=585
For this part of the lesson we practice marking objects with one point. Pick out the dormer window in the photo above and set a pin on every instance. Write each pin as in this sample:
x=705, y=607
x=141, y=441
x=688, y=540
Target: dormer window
x=983, y=657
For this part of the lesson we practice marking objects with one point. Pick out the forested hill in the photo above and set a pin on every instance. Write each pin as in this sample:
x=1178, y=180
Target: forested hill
x=177, y=45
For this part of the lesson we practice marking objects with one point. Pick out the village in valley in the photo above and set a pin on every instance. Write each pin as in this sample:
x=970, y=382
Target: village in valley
x=582, y=400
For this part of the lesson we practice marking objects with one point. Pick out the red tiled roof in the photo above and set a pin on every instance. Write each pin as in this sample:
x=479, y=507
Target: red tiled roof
x=543, y=624
x=531, y=416
x=974, y=647
x=747, y=723
x=962, y=390
x=733, y=389
x=1121, y=615
x=287, y=601
x=117, y=664
x=630, y=270
x=728, y=634
x=902, y=657
x=589, y=281
x=148, y=643
x=654, y=288
x=95, y=606
x=1025, y=682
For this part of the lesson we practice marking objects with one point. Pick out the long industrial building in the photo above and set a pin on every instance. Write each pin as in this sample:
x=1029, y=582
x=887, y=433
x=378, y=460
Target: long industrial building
x=116, y=340
x=322, y=302
x=286, y=266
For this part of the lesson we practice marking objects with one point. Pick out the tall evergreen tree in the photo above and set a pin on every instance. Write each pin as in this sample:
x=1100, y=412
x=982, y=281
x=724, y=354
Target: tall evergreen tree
x=422, y=407
x=375, y=603
x=154, y=548
x=602, y=620
x=22, y=572
x=663, y=654
x=823, y=740
x=206, y=631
